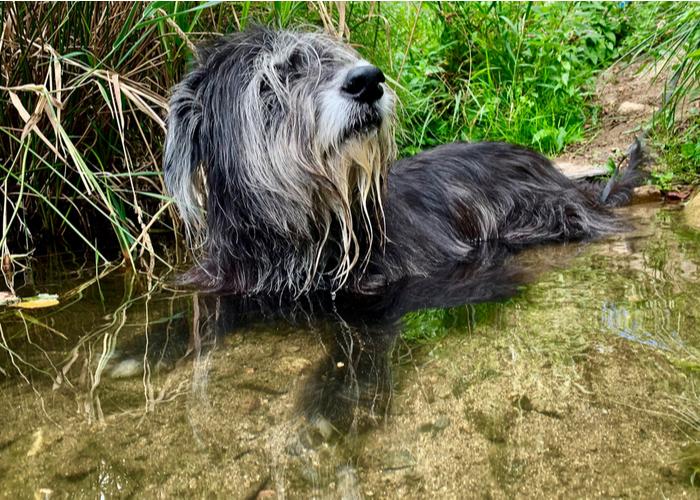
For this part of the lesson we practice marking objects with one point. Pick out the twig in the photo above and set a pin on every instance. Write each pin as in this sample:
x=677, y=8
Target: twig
x=410, y=40
x=179, y=31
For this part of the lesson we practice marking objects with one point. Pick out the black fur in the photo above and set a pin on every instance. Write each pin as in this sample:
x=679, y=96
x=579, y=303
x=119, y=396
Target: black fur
x=256, y=115
x=442, y=203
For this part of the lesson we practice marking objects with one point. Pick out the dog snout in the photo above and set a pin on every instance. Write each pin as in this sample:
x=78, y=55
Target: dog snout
x=363, y=84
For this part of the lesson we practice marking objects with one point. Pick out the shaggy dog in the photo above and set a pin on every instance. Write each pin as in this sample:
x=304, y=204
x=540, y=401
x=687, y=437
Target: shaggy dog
x=280, y=155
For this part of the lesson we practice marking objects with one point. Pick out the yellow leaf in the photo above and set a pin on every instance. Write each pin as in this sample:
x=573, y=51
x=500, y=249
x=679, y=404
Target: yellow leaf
x=19, y=106
x=35, y=304
x=38, y=301
x=34, y=119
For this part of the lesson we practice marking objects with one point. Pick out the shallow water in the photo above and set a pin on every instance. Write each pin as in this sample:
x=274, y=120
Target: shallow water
x=564, y=371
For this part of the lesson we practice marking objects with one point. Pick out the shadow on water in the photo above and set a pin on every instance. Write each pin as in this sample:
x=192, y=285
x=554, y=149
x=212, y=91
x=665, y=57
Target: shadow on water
x=558, y=369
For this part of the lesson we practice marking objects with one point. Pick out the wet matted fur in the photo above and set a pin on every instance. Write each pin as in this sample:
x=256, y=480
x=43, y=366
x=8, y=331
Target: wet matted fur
x=280, y=154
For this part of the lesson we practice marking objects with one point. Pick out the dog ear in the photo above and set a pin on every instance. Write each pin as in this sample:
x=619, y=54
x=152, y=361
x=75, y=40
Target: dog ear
x=182, y=159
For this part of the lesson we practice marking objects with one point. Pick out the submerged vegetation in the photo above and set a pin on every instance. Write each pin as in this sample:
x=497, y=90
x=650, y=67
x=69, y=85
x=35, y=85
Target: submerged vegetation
x=85, y=89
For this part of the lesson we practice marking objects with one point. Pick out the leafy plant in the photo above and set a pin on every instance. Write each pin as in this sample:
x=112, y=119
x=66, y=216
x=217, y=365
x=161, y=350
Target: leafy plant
x=662, y=179
x=516, y=72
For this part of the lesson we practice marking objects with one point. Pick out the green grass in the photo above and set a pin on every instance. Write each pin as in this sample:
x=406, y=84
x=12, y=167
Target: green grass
x=75, y=101
x=516, y=72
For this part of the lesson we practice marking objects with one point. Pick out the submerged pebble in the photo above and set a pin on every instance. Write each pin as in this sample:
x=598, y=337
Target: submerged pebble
x=127, y=368
x=400, y=459
x=438, y=425
x=441, y=424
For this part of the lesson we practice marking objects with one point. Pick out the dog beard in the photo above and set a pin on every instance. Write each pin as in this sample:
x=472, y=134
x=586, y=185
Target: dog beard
x=358, y=172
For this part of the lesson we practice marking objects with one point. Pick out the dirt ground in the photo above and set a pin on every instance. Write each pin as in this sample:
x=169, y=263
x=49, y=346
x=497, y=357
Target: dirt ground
x=628, y=98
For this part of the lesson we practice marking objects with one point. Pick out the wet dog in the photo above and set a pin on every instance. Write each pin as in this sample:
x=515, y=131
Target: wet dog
x=280, y=154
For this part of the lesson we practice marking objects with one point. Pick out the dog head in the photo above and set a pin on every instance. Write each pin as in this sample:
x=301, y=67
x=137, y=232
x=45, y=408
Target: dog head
x=282, y=136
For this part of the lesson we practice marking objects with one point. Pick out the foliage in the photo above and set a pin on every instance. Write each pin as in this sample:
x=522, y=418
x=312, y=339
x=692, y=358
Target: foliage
x=679, y=151
x=662, y=179
x=518, y=72
x=669, y=32
x=83, y=82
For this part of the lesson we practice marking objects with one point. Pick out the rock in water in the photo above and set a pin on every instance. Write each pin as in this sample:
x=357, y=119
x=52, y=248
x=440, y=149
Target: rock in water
x=647, y=194
x=692, y=212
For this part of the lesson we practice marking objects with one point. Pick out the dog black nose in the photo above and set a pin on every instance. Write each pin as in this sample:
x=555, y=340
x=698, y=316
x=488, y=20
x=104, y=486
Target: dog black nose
x=362, y=83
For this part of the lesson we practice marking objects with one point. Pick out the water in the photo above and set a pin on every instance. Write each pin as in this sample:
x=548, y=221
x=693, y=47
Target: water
x=562, y=371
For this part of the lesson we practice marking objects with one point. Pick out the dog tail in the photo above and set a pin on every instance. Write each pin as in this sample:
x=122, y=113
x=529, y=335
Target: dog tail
x=619, y=189
x=182, y=158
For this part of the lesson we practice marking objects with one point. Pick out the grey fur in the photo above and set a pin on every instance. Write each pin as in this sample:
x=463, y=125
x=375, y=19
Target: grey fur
x=294, y=176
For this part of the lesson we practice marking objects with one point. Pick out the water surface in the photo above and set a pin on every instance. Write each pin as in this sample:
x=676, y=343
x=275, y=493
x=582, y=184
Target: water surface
x=561, y=371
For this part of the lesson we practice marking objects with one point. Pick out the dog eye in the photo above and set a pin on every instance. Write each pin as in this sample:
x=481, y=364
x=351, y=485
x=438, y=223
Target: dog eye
x=291, y=68
x=295, y=61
